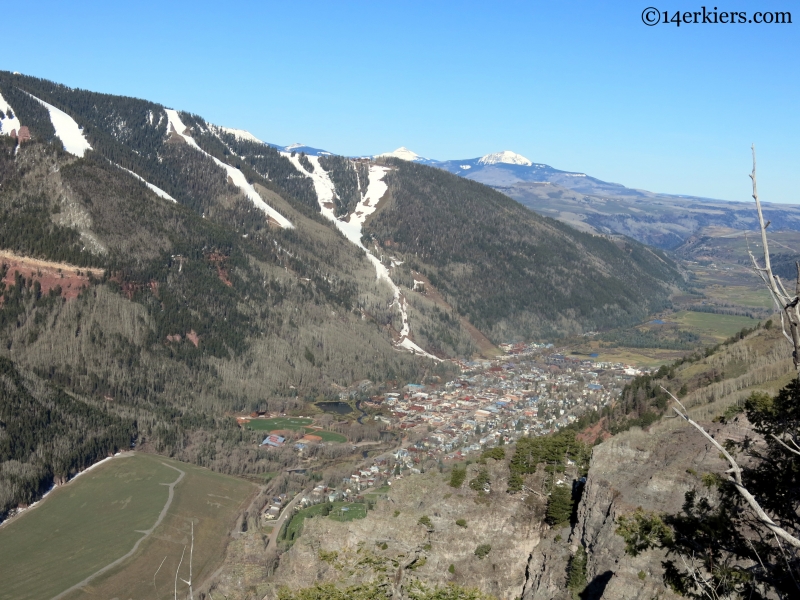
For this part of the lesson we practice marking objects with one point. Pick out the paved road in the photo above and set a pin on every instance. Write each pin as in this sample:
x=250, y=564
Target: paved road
x=278, y=523
x=136, y=545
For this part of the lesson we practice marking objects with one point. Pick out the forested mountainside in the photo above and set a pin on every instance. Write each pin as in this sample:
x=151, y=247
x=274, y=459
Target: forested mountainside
x=513, y=273
x=194, y=271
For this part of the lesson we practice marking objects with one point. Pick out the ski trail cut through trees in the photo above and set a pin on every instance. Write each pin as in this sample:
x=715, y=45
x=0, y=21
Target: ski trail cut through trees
x=8, y=124
x=237, y=177
x=67, y=130
x=351, y=228
x=156, y=190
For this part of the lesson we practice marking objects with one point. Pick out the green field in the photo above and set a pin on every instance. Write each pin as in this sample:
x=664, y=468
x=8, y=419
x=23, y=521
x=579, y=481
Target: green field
x=348, y=511
x=294, y=424
x=354, y=511
x=96, y=519
x=739, y=295
x=328, y=436
x=711, y=326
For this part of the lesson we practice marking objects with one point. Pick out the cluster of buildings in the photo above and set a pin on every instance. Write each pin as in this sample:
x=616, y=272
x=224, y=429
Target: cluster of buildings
x=531, y=391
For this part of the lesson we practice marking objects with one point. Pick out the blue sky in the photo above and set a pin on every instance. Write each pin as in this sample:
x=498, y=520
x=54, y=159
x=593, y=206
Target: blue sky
x=576, y=85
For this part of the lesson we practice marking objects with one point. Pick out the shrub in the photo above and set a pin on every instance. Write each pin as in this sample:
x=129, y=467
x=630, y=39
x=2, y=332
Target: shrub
x=457, y=477
x=495, y=453
x=461, y=523
x=426, y=521
x=576, y=572
x=482, y=551
x=328, y=557
x=479, y=481
x=642, y=530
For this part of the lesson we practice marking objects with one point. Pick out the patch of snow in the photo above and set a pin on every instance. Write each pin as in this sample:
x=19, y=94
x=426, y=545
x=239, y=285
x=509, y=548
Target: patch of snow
x=403, y=153
x=175, y=125
x=67, y=130
x=414, y=349
x=351, y=229
x=575, y=174
x=465, y=167
x=89, y=468
x=150, y=117
x=237, y=177
x=6, y=124
x=293, y=146
x=506, y=157
x=418, y=283
x=156, y=190
x=239, y=134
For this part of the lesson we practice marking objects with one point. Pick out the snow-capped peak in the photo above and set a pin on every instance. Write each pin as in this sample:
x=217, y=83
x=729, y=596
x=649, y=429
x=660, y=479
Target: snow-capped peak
x=506, y=156
x=293, y=146
x=403, y=153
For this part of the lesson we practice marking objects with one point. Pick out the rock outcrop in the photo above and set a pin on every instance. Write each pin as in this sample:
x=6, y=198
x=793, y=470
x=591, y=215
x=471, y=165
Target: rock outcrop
x=653, y=469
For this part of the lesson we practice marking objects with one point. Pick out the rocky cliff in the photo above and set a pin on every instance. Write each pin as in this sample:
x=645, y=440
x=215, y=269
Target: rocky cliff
x=649, y=469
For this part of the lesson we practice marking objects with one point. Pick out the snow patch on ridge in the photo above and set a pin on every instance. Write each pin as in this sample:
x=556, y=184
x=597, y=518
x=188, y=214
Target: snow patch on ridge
x=351, y=228
x=7, y=124
x=67, y=130
x=240, y=134
x=237, y=177
x=403, y=153
x=507, y=157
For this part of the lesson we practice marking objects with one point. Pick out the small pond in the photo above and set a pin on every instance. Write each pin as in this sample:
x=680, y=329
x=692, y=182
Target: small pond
x=340, y=408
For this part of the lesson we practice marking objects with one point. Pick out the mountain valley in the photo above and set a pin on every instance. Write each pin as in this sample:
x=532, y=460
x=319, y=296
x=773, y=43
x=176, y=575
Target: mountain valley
x=393, y=377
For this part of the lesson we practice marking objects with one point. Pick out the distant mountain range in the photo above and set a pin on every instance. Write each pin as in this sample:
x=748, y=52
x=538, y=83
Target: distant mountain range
x=589, y=204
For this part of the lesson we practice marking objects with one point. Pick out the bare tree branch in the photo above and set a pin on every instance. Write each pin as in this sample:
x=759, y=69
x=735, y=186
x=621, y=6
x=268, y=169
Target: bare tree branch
x=735, y=476
x=788, y=305
x=782, y=443
x=786, y=560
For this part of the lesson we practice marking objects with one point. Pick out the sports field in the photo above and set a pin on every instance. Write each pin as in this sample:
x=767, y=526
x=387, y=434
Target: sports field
x=99, y=517
x=294, y=424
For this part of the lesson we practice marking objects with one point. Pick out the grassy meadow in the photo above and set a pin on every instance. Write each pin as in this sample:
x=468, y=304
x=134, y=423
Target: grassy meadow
x=83, y=526
x=712, y=327
x=339, y=511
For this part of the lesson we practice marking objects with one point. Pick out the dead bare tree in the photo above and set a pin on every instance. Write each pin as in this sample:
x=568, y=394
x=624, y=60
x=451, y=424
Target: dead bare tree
x=789, y=308
x=787, y=304
x=735, y=476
